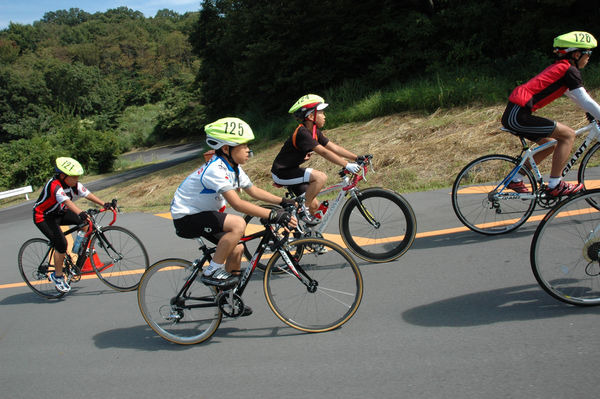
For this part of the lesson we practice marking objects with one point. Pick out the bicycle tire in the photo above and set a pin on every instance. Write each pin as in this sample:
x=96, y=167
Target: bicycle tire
x=120, y=270
x=391, y=238
x=589, y=171
x=176, y=322
x=35, y=268
x=472, y=191
x=565, y=251
x=336, y=296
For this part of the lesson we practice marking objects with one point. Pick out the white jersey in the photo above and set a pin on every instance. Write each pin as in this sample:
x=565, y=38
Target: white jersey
x=202, y=190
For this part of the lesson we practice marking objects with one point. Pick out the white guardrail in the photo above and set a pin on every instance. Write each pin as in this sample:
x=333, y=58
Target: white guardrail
x=16, y=191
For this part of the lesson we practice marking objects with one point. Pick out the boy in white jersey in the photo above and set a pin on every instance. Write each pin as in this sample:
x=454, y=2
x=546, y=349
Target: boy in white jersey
x=199, y=202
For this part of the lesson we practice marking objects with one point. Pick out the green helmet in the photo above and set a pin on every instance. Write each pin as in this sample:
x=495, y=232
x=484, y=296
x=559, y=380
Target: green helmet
x=306, y=105
x=573, y=41
x=228, y=131
x=68, y=166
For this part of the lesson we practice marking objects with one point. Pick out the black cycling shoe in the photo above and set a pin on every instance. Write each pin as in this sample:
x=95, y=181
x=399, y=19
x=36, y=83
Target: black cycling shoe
x=247, y=311
x=220, y=278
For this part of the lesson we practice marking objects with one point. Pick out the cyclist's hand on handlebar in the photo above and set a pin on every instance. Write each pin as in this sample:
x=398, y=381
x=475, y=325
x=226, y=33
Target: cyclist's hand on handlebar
x=280, y=216
x=353, y=167
x=83, y=216
x=364, y=159
x=111, y=205
x=288, y=204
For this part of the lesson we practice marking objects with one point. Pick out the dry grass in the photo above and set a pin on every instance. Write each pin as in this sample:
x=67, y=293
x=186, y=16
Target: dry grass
x=412, y=152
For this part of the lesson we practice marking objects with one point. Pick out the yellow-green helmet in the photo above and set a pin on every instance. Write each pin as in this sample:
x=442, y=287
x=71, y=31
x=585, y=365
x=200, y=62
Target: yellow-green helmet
x=306, y=105
x=572, y=41
x=68, y=166
x=228, y=131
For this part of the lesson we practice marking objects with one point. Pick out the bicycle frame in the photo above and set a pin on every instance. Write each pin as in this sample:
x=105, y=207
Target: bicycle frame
x=527, y=154
x=266, y=235
x=346, y=187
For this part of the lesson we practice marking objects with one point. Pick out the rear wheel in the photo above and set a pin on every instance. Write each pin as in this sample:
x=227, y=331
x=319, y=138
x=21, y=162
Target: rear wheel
x=35, y=265
x=181, y=315
x=483, y=205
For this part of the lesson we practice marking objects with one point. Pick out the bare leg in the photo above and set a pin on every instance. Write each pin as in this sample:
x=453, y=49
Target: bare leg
x=315, y=184
x=565, y=137
x=234, y=227
x=58, y=263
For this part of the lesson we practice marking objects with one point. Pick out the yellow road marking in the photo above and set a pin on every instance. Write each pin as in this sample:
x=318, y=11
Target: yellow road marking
x=589, y=184
x=252, y=228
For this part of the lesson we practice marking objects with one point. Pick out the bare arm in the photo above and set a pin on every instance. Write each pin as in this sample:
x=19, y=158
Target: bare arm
x=262, y=195
x=245, y=207
x=93, y=198
x=341, y=151
x=330, y=155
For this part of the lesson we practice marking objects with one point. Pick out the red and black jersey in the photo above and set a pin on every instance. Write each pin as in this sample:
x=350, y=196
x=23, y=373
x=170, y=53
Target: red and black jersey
x=53, y=196
x=547, y=86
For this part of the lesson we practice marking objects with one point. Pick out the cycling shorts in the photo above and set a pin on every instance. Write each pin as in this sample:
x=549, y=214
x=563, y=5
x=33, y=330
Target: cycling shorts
x=207, y=224
x=50, y=227
x=521, y=121
x=296, y=179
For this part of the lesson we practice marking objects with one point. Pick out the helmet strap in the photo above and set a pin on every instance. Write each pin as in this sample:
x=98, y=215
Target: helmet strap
x=231, y=162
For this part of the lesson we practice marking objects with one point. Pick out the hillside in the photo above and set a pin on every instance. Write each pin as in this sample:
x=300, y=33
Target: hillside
x=412, y=152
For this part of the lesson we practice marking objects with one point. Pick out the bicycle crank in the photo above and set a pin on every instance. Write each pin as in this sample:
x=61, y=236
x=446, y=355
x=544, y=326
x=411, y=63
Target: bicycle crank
x=230, y=304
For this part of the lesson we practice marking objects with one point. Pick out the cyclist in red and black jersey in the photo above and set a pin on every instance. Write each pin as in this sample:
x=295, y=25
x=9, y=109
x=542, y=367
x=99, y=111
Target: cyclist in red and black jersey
x=563, y=77
x=55, y=208
x=306, y=139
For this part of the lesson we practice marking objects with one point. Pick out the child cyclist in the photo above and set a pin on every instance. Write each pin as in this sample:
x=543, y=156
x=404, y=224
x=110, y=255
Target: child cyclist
x=199, y=202
x=55, y=208
x=563, y=76
x=307, y=137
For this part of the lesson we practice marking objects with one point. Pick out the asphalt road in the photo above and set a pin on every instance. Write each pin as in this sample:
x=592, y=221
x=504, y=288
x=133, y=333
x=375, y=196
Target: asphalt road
x=458, y=316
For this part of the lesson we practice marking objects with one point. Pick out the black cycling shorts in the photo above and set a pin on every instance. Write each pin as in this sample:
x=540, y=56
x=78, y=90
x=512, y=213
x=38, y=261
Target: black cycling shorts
x=50, y=227
x=208, y=224
x=521, y=121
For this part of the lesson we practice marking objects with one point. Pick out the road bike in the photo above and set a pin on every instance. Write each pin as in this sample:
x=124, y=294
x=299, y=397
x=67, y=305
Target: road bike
x=114, y=254
x=565, y=250
x=311, y=284
x=376, y=224
x=483, y=202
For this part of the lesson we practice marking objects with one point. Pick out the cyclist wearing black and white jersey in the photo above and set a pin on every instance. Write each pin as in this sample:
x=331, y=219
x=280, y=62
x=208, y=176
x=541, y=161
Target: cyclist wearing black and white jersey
x=562, y=77
x=199, y=203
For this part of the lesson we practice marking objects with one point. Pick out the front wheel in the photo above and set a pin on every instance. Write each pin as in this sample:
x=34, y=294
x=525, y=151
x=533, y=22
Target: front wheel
x=589, y=172
x=119, y=258
x=378, y=227
x=183, y=315
x=320, y=292
x=565, y=251
x=34, y=259
x=483, y=204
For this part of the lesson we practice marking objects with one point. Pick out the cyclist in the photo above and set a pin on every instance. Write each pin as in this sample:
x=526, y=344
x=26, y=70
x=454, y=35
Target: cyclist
x=199, y=202
x=306, y=139
x=573, y=52
x=55, y=208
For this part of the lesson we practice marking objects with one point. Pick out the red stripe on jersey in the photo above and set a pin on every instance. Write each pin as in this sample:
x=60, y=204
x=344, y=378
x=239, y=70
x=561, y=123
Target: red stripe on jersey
x=524, y=93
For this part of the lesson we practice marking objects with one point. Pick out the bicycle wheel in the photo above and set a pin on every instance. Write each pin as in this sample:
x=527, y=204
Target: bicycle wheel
x=330, y=300
x=589, y=172
x=34, y=265
x=380, y=227
x=480, y=207
x=565, y=251
x=119, y=258
x=183, y=316
x=253, y=225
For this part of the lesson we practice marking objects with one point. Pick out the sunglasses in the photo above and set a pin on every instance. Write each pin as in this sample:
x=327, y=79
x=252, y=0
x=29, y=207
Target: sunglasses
x=588, y=52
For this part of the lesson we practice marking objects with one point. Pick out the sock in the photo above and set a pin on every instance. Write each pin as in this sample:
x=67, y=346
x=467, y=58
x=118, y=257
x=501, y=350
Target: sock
x=517, y=179
x=212, y=267
x=553, y=182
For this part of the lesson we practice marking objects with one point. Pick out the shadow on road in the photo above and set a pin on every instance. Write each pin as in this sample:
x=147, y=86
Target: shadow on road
x=524, y=302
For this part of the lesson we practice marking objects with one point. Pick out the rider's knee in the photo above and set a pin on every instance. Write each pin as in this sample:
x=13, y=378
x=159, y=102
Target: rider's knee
x=234, y=224
x=318, y=177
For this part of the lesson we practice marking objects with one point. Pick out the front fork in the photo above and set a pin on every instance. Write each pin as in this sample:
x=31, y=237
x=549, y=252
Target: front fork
x=363, y=210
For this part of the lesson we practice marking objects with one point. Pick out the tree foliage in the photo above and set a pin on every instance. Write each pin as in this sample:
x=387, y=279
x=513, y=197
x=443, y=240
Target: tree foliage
x=260, y=54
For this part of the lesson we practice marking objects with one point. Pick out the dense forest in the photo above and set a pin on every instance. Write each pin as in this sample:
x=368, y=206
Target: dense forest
x=94, y=85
